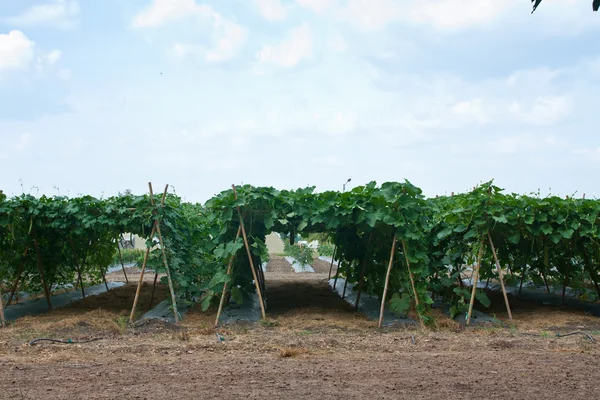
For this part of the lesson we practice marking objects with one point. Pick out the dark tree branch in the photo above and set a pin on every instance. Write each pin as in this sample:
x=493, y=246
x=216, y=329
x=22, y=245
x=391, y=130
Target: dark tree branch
x=595, y=5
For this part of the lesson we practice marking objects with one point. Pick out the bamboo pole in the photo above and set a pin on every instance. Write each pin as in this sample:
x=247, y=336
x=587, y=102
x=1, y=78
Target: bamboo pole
x=500, y=276
x=346, y=280
x=363, y=271
x=387, y=280
x=19, y=274
x=337, y=271
x=122, y=264
x=164, y=254
x=77, y=265
x=41, y=268
x=412, y=280
x=260, y=297
x=169, y=280
x=141, y=279
x=475, y=278
x=332, y=260
x=229, y=268
x=104, y=279
x=153, y=289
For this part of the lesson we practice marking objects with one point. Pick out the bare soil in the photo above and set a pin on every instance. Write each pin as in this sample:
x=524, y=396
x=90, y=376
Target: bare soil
x=313, y=345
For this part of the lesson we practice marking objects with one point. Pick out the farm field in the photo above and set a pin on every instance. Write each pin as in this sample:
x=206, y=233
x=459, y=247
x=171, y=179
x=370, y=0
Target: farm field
x=313, y=345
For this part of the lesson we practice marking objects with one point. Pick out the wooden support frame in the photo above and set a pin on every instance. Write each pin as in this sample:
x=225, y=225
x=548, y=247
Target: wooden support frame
x=387, y=280
x=475, y=279
x=164, y=254
x=500, y=276
x=256, y=282
x=229, y=270
x=145, y=262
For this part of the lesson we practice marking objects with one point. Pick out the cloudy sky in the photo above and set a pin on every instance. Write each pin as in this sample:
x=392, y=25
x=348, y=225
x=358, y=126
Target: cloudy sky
x=102, y=96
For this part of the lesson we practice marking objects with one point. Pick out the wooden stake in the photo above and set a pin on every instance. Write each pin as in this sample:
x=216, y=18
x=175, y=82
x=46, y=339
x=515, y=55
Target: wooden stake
x=363, y=271
x=387, y=279
x=412, y=280
x=347, y=276
x=78, y=267
x=475, y=278
x=19, y=274
x=41, y=268
x=164, y=256
x=500, y=276
x=337, y=271
x=260, y=297
x=229, y=268
x=153, y=289
x=122, y=263
x=332, y=260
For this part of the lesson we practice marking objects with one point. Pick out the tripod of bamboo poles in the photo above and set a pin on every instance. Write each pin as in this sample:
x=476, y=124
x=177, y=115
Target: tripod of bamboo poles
x=387, y=279
x=259, y=286
x=155, y=229
x=476, y=277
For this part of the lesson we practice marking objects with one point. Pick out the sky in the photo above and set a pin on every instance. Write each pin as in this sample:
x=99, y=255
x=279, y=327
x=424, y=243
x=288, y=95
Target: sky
x=100, y=96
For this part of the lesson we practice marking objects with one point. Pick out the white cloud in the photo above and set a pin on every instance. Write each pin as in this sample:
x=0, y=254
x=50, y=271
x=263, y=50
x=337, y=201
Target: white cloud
x=24, y=142
x=545, y=110
x=592, y=154
x=271, y=10
x=61, y=14
x=64, y=74
x=338, y=43
x=471, y=110
x=16, y=51
x=227, y=37
x=371, y=14
x=161, y=12
x=453, y=14
x=291, y=51
x=328, y=160
x=523, y=143
x=53, y=56
x=318, y=6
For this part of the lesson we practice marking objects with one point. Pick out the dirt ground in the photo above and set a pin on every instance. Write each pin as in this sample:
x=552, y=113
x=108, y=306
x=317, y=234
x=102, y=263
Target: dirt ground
x=312, y=345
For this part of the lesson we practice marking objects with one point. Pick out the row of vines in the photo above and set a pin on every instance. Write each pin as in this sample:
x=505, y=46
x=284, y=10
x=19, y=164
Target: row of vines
x=551, y=242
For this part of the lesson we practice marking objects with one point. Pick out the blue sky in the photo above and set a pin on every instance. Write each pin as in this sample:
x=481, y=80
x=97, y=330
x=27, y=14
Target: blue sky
x=101, y=96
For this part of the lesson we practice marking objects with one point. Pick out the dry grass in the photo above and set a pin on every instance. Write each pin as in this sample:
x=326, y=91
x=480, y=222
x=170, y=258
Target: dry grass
x=289, y=352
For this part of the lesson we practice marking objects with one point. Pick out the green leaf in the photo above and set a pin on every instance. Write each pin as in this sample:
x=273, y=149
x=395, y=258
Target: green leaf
x=443, y=233
x=515, y=237
x=483, y=298
x=206, y=301
x=500, y=219
x=400, y=304
x=236, y=295
x=567, y=233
